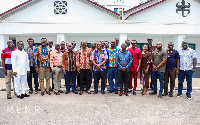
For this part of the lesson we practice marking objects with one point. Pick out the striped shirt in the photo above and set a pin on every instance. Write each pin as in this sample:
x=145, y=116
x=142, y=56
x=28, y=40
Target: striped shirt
x=69, y=61
x=6, y=54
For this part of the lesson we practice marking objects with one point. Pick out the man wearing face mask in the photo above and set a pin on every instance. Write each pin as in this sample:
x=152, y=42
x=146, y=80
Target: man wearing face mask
x=7, y=66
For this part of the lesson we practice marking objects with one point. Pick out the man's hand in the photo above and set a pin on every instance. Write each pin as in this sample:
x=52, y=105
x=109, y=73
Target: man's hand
x=53, y=71
x=64, y=72
x=193, y=70
x=146, y=71
x=28, y=72
x=138, y=69
x=155, y=68
x=5, y=71
x=78, y=70
x=177, y=72
x=123, y=69
x=15, y=74
x=98, y=66
x=37, y=70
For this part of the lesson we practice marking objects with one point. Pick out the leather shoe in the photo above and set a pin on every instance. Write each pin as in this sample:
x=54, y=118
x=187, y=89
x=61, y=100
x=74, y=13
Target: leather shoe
x=75, y=92
x=120, y=94
x=42, y=93
x=20, y=97
x=60, y=91
x=57, y=93
x=25, y=95
x=103, y=92
x=153, y=93
x=81, y=93
x=30, y=92
x=67, y=92
x=89, y=92
x=165, y=93
x=126, y=94
x=48, y=92
x=95, y=92
x=8, y=96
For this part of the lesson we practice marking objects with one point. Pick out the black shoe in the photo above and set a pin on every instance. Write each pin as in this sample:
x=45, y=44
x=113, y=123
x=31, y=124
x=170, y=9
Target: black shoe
x=25, y=95
x=20, y=97
x=170, y=95
x=179, y=95
x=95, y=92
x=160, y=95
x=165, y=93
x=110, y=91
x=153, y=93
x=66, y=92
x=129, y=90
x=103, y=92
x=188, y=96
x=116, y=91
x=75, y=92
x=134, y=93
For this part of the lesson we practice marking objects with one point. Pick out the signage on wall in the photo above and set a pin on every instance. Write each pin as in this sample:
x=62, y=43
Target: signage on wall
x=183, y=8
x=60, y=7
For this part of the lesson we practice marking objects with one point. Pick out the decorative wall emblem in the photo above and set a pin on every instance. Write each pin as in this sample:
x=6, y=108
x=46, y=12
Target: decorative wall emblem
x=183, y=8
x=60, y=7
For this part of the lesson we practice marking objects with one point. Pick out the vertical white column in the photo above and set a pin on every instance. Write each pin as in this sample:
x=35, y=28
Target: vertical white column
x=3, y=41
x=178, y=41
x=122, y=38
x=60, y=38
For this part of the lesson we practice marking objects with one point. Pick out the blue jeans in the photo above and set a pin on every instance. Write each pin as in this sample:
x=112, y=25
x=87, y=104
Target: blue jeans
x=69, y=75
x=97, y=75
x=112, y=73
x=160, y=76
x=182, y=74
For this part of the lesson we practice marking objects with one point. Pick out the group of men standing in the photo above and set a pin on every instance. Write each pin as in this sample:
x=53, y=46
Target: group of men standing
x=101, y=61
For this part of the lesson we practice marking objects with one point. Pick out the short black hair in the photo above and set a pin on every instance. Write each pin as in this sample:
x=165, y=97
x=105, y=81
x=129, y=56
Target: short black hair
x=146, y=44
x=30, y=39
x=19, y=42
x=43, y=38
x=135, y=40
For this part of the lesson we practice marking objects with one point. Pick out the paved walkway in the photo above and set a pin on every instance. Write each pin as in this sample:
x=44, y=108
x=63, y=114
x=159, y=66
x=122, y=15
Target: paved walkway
x=108, y=109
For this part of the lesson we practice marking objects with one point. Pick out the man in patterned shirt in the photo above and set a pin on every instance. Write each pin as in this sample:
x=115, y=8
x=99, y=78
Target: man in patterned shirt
x=84, y=67
x=188, y=61
x=112, y=66
x=42, y=65
x=99, y=58
x=56, y=67
x=7, y=66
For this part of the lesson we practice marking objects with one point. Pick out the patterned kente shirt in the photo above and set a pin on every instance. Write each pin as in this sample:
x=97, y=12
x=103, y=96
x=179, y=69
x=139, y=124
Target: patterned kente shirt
x=83, y=58
x=112, y=55
x=42, y=57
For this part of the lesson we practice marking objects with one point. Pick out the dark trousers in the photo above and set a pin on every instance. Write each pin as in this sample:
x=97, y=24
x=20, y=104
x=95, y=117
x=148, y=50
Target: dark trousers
x=160, y=76
x=52, y=82
x=85, y=77
x=97, y=75
x=124, y=80
x=182, y=75
x=29, y=78
x=69, y=75
x=169, y=73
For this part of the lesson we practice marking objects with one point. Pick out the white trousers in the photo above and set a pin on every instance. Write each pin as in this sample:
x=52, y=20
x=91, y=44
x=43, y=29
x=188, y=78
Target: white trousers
x=20, y=79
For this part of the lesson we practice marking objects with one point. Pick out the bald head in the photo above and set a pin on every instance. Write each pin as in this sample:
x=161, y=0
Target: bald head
x=150, y=39
x=159, y=45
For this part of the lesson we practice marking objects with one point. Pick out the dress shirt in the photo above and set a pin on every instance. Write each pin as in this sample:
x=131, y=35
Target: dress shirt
x=124, y=60
x=55, y=58
x=20, y=62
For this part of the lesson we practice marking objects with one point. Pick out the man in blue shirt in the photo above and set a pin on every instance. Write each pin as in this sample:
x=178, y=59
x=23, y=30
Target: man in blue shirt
x=172, y=69
x=124, y=61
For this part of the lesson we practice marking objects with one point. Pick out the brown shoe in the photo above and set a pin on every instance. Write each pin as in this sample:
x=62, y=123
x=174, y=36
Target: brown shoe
x=120, y=94
x=30, y=92
x=48, y=92
x=9, y=96
x=81, y=93
x=126, y=94
x=36, y=91
x=42, y=93
x=60, y=91
x=57, y=93
x=89, y=92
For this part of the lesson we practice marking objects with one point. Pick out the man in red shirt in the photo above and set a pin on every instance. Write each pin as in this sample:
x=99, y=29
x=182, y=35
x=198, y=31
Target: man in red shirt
x=7, y=66
x=136, y=63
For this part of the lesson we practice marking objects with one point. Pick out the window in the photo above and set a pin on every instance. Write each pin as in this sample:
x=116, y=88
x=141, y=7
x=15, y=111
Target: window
x=192, y=46
x=115, y=10
x=139, y=45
